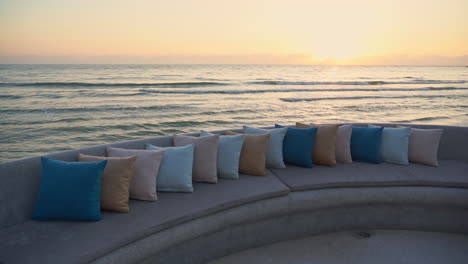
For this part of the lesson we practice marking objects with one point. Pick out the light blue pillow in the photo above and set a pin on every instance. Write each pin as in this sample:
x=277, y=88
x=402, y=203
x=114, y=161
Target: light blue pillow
x=175, y=171
x=69, y=191
x=395, y=141
x=274, y=157
x=298, y=146
x=229, y=150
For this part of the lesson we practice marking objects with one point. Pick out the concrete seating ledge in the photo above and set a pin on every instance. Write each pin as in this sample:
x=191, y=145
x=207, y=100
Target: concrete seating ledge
x=233, y=215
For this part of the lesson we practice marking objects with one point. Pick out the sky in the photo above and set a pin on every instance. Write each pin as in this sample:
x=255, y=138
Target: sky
x=357, y=32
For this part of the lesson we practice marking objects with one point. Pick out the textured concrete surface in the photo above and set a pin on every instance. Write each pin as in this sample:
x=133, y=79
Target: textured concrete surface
x=382, y=246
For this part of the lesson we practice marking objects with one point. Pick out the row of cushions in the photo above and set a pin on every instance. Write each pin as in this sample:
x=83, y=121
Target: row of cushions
x=138, y=174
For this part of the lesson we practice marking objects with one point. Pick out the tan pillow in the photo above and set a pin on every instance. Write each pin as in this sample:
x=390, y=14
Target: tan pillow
x=143, y=183
x=325, y=143
x=253, y=153
x=115, y=181
x=205, y=156
x=424, y=145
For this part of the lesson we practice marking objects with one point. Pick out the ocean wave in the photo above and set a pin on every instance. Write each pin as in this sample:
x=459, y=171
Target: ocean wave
x=10, y=97
x=422, y=119
x=88, y=84
x=291, y=100
x=359, y=83
x=52, y=111
x=296, y=90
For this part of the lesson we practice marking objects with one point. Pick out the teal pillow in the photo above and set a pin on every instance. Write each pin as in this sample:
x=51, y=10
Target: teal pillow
x=395, y=141
x=175, y=171
x=69, y=191
x=365, y=144
x=274, y=157
x=298, y=146
x=229, y=150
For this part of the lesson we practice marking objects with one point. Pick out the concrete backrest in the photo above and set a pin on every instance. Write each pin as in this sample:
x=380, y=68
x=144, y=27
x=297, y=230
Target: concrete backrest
x=20, y=179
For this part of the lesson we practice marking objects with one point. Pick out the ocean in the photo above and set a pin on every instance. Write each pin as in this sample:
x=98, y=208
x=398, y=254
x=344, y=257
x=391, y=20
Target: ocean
x=49, y=108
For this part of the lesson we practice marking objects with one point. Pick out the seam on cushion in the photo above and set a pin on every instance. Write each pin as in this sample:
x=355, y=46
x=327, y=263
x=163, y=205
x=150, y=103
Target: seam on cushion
x=281, y=180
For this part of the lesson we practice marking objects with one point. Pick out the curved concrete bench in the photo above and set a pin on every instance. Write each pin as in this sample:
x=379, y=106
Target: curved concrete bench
x=234, y=215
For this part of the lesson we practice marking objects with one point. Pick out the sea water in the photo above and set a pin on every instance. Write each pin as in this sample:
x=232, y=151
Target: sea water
x=48, y=108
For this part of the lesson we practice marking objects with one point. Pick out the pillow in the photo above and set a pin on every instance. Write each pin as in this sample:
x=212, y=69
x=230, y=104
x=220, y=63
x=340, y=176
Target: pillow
x=204, y=157
x=143, y=183
x=325, y=143
x=229, y=151
x=343, y=144
x=175, y=172
x=274, y=158
x=298, y=146
x=253, y=154
x=394, y=148
x=69, y=191
x=424, y=145
x=115, y=181
x=365, y=144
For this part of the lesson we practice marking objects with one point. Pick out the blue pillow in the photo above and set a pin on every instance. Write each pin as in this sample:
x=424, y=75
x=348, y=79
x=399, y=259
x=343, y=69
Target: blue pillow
x=395, y=141
x=274, y=157
x=365, y=144
x=229, y=150
x=298, y=146
x=175, y=171
x=69, y=191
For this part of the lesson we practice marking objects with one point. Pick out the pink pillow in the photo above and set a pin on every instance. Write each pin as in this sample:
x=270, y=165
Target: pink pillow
x=204, y=157
x=424, y=145
x=143, y=183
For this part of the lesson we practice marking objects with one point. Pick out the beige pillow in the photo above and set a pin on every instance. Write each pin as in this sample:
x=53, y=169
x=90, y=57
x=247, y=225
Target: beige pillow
x=343, y=144
x=205, y=156
x=325, y=143
x=115, y=181
x=424, y=145
x=253, y=153
x=143, y=183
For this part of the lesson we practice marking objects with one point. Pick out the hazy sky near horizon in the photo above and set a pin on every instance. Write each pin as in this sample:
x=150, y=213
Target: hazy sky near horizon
x=397, y=32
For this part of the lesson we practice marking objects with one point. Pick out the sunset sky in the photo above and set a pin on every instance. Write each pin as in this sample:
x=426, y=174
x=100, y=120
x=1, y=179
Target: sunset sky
x=397, y=32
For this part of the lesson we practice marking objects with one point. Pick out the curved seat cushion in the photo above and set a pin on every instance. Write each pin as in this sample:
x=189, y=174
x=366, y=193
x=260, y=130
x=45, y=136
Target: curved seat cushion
x=424, y=145
x=298, y=146
x=450, y=173
x=394, y=147
x=229, y=151
x=115, y=181
x=325, y=143
x=253, y=154
x=69, y=191
x=175, y=172
x=143, y=182
x=274, y=158
x=65, y=242
x=204, y=156
x=366, y=143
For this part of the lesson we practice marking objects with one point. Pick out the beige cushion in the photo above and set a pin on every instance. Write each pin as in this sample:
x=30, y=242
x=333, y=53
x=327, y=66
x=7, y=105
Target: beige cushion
x=325, y=143
x=204, y=157
x=253, y=153
x=424, y=145
x=143, y=183
x=343, y=144
x=115, y=181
